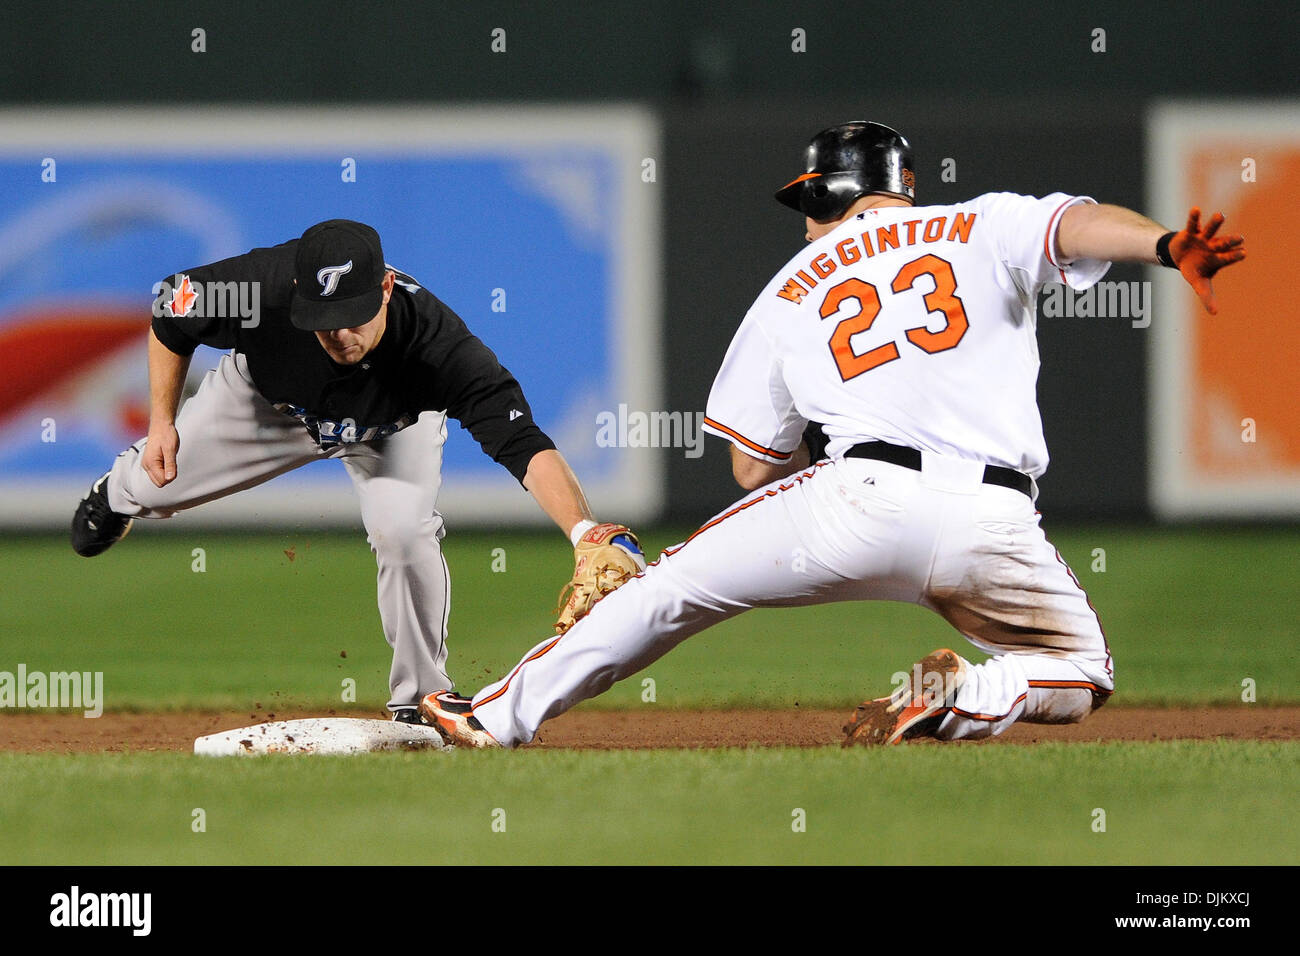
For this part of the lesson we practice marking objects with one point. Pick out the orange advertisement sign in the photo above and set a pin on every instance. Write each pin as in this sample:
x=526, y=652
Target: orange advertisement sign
x=1225, y=424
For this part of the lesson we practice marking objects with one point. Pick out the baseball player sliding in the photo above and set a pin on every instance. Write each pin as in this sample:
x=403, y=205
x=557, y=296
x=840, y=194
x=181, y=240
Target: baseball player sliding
x=879, y=398
x=347, y=359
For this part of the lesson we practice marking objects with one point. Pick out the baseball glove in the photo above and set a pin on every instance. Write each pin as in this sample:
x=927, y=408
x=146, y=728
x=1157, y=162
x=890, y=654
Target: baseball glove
x=606, y=557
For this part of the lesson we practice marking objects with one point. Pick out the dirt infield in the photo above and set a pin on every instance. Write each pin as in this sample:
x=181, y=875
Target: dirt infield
x=649, y=728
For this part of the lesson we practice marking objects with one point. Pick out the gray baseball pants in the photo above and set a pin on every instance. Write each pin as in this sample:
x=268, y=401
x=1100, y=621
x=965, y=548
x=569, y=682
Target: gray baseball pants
x=231, y=438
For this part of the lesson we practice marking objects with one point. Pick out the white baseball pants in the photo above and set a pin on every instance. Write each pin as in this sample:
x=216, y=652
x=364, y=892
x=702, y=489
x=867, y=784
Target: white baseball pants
x=847, y=530
x=231, y=438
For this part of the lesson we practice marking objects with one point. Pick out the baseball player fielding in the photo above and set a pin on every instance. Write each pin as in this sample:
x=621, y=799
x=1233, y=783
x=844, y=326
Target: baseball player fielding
x=347, y=359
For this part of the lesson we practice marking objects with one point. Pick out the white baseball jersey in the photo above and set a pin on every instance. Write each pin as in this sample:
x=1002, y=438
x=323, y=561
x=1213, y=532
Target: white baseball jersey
x=910, y=325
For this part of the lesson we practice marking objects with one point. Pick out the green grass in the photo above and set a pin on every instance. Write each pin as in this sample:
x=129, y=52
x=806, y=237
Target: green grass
x=1190, y=613
x=1174, y=803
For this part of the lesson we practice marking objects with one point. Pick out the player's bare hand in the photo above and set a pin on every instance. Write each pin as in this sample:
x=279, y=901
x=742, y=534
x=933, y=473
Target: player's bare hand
x=1199, y=252
x=159, y=456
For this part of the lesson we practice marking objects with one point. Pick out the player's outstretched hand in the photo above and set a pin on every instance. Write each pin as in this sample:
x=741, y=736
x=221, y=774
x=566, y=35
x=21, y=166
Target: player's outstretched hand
x=1199, y=253
x=606, y=558
x=159, y=456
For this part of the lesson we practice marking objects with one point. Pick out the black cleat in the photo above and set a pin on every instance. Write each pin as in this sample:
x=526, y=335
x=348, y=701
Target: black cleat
x=409, y=715
x=96, y=527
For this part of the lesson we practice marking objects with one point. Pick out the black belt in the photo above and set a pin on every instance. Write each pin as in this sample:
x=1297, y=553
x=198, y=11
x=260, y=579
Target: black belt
x=911, y=458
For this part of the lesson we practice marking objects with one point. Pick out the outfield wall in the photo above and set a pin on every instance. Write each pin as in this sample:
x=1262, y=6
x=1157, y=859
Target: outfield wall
x=607, y=254
x=722, y=100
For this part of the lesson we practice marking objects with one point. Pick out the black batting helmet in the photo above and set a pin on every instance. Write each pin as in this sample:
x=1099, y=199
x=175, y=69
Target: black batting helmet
x=846, y=162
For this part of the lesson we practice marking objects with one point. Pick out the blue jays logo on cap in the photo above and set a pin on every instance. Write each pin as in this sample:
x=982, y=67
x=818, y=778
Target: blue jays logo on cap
x=328, y=277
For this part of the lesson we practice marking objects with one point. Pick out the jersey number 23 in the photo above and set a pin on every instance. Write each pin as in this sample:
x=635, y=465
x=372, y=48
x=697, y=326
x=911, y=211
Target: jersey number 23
x=943, y=300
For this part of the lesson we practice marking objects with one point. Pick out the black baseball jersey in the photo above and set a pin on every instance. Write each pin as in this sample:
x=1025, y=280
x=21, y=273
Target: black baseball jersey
x=426, y=359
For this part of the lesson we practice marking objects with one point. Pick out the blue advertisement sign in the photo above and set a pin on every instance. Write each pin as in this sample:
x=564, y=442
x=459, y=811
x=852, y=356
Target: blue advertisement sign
x=535, y=226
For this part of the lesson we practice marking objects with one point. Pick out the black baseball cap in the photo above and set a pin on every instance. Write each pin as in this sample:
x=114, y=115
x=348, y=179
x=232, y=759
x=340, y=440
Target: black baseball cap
x=339, y=268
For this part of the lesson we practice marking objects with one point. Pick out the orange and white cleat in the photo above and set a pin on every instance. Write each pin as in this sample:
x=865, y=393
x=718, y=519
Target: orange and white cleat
x=453, y=715
x=915, y=709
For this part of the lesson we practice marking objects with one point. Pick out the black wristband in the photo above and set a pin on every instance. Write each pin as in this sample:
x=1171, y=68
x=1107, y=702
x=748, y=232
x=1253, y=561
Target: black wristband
x=1162, y=251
